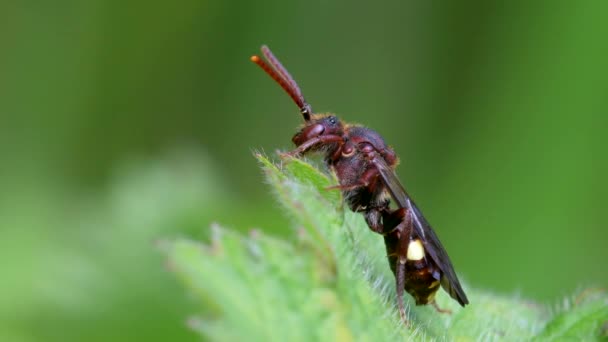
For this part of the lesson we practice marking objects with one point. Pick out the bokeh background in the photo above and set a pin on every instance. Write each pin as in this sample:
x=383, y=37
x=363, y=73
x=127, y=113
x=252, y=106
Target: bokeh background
x=122, y=123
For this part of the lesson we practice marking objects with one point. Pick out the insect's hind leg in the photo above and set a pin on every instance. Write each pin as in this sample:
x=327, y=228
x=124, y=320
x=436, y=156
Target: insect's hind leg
x=405, y=229
x=440, y=310
x=400, y=282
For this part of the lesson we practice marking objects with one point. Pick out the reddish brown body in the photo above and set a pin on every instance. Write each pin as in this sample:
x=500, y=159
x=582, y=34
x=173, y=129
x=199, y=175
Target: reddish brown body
x=363, y=189
x=422, y=278
x=364, y=165
x=348, y=151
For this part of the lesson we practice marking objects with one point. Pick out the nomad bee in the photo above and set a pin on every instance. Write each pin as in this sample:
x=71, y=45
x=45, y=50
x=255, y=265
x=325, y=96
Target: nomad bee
x=364, y=165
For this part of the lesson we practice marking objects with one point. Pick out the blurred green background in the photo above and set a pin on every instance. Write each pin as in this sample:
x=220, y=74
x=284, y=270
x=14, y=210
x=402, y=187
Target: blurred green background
x=125, y=122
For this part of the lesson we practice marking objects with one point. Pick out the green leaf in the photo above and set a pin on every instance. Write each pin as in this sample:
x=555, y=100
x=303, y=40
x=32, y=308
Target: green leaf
x=586, y=318
x=331, y=281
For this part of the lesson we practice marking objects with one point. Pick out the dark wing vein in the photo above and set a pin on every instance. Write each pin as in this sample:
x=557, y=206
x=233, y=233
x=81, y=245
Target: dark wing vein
x=421, y=226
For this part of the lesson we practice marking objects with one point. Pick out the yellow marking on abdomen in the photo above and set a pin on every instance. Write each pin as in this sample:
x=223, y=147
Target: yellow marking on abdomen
x=415, y=250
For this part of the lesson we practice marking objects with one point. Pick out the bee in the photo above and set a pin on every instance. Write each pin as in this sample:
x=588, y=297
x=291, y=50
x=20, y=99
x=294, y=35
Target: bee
x=365, y=167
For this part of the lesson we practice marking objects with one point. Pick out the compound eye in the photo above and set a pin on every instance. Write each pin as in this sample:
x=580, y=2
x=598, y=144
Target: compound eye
x=315, y=130
x=332, y=120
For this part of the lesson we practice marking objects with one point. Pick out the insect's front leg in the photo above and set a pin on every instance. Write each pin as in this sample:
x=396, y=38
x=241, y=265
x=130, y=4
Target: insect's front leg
x=310, y=143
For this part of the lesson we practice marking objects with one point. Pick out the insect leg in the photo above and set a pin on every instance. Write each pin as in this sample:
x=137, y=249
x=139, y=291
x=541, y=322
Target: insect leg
x=399, y=219
x=367, y=179
x=308, y=144
x=373, y=218
x=400, y=278
x=346, y=187
x=440, y=310
x=405, y=231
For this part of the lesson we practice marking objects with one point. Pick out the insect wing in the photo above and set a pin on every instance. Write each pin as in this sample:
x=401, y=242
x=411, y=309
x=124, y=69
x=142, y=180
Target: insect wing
x=423, y=229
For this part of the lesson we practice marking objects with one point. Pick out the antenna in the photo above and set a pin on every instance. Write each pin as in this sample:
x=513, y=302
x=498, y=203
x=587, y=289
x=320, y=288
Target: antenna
x=277, y=71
